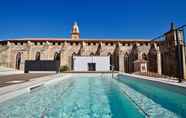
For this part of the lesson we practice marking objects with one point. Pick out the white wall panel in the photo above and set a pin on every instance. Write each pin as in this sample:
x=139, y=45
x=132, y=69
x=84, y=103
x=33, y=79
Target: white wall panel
x=81, y=62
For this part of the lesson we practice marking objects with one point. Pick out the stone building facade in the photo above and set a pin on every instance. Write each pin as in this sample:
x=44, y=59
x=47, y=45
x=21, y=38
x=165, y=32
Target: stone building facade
x=125, y=55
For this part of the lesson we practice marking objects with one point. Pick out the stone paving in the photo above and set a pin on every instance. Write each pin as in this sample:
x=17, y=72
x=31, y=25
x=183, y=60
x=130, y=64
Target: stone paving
x=11, y=91
x=8, y=71
x=7, y=80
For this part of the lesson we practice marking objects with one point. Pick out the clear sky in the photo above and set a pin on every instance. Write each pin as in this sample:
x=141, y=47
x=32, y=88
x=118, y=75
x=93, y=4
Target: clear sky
x=96, y=18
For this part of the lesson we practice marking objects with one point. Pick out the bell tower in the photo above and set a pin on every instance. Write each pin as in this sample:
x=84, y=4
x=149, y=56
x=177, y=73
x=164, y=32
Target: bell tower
x=75, y=35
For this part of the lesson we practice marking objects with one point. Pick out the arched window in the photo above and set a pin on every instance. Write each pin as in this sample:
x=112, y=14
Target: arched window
x=91, y=54
x=144, y=56
x=74, y=54
x=18, y=60
x=37, y=57
x=111, y=62
x=72, y=60
x=152, y=59
x=57, y=56
x=134, y=52
x=126, y=62
x=133, y=56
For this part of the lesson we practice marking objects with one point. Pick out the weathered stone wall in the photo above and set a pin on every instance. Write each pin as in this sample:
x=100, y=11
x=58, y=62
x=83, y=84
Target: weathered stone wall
x=67, y=49
x=169, y=54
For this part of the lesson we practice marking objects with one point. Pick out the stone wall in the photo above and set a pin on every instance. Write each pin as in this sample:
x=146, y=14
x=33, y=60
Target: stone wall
x=67, y=49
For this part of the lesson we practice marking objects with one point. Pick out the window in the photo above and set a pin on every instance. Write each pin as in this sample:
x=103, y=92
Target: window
x=18, y=60
x=57, y=56
x=91, y=66
x=35, y=43
x=37, y=57
x=91, y=54
x=144, y=56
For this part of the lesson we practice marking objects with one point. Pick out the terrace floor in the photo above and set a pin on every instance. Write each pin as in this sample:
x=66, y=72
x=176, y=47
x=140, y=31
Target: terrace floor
x=7, y=80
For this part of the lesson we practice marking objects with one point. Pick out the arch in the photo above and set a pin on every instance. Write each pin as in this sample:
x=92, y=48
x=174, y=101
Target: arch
x=18, y=60
x=152, y=59
x=133, y=56
x=126, y=62
x=74, y=54
x=98, y=51
x=134, y=53
x=91, y=54
x=116, y=57
x=144, y=56
x=37, y=56
x=72, y=60
x=57, y=56
x=109, y=54
x=152, y=46
x=111, y=60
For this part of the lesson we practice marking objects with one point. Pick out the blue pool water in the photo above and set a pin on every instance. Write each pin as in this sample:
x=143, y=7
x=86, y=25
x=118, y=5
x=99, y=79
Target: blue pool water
x=172, y=98
x=78, y=97
x=98, y=96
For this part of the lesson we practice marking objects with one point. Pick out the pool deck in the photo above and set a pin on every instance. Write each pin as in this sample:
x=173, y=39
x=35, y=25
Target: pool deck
x=12, y=79
x=162, y=80
x=9, y=71
x=11, y=91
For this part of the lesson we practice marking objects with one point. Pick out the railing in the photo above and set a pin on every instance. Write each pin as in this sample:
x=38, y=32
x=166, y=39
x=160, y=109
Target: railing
x=179, y=38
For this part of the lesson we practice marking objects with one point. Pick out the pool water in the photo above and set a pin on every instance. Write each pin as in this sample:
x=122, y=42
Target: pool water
x=97, y=96
x=172, y=98
x=83, y=96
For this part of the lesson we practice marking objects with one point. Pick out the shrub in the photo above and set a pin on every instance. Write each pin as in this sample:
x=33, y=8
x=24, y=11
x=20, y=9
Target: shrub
x=64, y=68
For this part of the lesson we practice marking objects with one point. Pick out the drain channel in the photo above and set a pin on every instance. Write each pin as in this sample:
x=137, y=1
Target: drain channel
x=36, y=87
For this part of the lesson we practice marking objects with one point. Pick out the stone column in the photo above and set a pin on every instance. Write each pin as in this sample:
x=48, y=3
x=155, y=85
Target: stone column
x=183, y=62
x=70, y=61
x=48, y=55
x=159, y=62
x=121, y=63
x=64, y=59
x=181, y=42
x=9, y=54
x=29, y=56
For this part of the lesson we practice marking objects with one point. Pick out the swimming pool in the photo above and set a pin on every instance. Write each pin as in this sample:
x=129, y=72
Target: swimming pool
x=88, y=96
x=172, y=98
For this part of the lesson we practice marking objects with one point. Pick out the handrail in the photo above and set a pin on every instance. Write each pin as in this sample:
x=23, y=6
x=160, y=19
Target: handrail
x=156, y=38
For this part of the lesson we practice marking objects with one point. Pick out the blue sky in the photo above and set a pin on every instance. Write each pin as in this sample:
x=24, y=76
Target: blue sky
x=96, y=18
